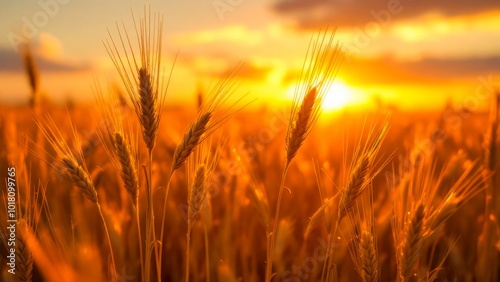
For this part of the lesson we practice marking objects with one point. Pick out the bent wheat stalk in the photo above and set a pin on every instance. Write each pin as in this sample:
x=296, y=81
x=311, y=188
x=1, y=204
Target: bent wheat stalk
x=67, y=164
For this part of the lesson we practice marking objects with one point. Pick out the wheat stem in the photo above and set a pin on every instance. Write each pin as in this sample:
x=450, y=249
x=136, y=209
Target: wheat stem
x=188, y=237
x=167, y=190
x=138, y=221
x=109, y=241
x=270, y=253
x=207, y=252
x=151, y=243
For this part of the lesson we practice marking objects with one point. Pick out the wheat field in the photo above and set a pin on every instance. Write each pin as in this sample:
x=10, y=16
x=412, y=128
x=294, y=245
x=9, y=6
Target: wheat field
x=130, y=188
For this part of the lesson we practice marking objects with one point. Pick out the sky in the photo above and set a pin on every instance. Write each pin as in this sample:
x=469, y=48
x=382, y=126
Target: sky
x=408, y=54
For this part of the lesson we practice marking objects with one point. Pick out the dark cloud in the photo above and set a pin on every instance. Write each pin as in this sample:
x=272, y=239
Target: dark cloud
x=429, y=70
x=347, y=13
x=387, y=70
x=10, y=61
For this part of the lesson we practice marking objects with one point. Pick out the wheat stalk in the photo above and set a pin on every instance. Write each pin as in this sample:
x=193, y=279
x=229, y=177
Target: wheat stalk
x=486, y=255
x=196, y=198
x=197, y=195
x=32, y=73
x=320, y=67
x=199, y=172
x=208, y=119
x=146, y=89
x=67, y=164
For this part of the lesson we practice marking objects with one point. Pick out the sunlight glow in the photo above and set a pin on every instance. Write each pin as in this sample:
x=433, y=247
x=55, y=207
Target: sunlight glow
x=338, y=96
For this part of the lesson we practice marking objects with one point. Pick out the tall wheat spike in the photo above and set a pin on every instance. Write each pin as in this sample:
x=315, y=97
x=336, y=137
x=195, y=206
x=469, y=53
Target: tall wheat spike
x=140, y=71
x=208, y=119
x=320, y=67
x=144, y=83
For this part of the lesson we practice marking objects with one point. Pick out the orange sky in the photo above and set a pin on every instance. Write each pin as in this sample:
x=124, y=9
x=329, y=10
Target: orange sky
x=410, y=54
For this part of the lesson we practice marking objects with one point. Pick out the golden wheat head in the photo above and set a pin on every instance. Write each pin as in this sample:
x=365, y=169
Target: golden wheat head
x=65, y=162
x=117, y=138
x=319, y=70
x=141, y=75
x=209, y=118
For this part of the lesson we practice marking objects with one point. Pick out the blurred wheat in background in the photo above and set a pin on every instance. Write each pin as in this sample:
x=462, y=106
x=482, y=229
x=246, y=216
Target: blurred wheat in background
x=132, y=188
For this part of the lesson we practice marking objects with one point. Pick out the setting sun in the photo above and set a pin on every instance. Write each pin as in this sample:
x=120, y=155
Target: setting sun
x=338, y=96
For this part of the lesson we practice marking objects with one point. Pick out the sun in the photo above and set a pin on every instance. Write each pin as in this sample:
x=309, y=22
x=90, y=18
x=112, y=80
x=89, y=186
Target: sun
x=338, y=96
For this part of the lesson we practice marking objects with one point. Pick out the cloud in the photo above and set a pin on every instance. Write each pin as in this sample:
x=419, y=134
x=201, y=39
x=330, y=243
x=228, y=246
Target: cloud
x=427, y=70
x=233, y=34
x=348, y=13
x=387, y=70
x=11, y=62
x=49, y=47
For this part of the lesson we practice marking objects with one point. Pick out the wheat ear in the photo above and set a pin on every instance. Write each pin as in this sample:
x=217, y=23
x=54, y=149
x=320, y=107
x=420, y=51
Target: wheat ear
x=300, y=127
x=320, y=67
x=191, y=140
x=24, y=263
x=411, y=247
x=368, y=257
x=148, y=102
x=128, y=170
x=358, y=181
x=208, y=119
x=76, y=174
